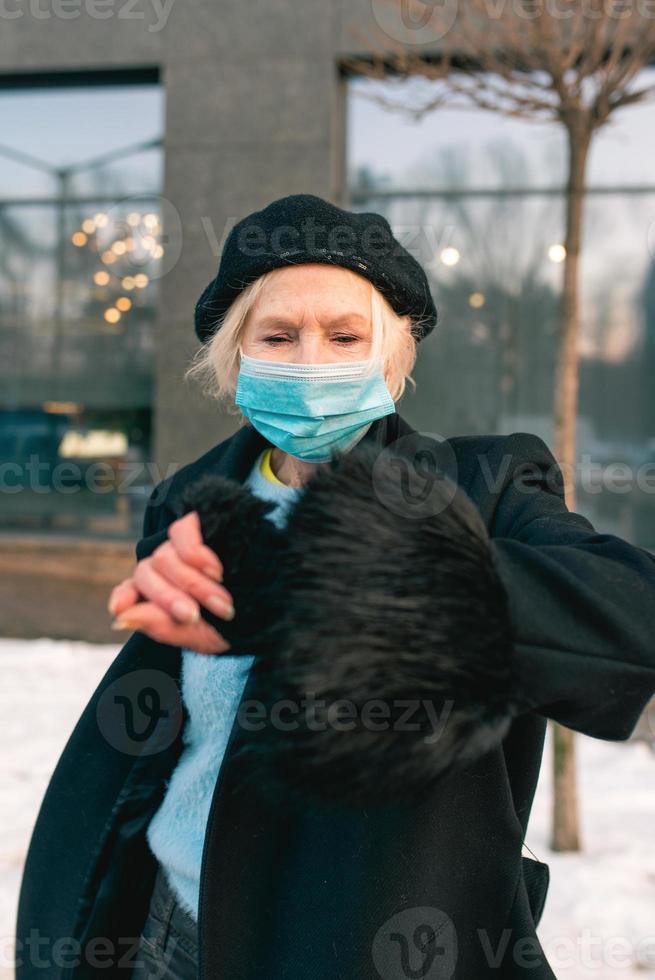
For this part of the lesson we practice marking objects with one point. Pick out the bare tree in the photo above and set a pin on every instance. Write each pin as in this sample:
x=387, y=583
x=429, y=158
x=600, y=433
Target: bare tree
x=571, y=63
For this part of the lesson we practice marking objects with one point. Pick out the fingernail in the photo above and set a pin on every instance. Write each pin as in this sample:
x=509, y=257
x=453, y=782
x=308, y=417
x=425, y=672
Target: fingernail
x=213, y=573
x=111, y=606
x=185, y=611
x=122, y=624
x=221, y=607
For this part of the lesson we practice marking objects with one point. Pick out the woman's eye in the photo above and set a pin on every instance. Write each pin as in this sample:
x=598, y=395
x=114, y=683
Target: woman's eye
x=341, y=339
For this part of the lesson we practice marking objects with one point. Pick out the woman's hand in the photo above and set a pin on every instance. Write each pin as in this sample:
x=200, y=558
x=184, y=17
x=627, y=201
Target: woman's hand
x=163, y=596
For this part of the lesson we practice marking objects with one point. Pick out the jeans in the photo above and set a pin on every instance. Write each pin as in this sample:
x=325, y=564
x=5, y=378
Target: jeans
x=168, y=946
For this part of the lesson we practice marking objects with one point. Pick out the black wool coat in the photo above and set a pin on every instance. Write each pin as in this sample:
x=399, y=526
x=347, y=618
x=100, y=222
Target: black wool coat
x=433, y=886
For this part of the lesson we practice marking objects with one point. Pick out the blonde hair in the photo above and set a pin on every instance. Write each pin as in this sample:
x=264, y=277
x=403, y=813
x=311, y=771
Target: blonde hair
x=215, y=365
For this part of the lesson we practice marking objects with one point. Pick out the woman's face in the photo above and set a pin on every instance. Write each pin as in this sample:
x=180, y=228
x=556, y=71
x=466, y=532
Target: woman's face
x=310, y=314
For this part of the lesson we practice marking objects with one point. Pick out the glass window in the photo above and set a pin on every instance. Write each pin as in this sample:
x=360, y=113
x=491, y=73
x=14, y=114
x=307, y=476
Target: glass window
x=477, y=198
x=80, y=255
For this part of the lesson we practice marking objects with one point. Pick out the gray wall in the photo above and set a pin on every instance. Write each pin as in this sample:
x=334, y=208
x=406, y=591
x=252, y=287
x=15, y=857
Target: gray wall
x=254, y=111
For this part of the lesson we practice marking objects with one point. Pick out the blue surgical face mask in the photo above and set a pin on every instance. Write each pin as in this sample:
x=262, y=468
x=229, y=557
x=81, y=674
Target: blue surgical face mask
x=312, y=410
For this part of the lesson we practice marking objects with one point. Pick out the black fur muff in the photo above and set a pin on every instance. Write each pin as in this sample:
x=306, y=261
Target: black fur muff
x=381, y=628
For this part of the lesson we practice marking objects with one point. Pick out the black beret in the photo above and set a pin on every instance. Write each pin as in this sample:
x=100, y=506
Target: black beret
x=305, y=228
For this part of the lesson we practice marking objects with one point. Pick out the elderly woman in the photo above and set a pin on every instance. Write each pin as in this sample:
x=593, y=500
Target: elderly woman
x=439, y=589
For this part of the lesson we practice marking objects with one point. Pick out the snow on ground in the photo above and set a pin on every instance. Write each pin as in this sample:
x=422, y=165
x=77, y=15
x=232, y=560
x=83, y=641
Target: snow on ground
x=599, y=919
x=45, y=687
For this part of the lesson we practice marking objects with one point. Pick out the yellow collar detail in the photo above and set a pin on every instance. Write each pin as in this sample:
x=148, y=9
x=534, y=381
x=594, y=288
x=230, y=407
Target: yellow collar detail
x=266, y=469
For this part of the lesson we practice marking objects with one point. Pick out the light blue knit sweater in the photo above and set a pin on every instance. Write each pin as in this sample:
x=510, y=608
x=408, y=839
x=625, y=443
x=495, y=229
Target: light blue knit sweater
x=211, y=686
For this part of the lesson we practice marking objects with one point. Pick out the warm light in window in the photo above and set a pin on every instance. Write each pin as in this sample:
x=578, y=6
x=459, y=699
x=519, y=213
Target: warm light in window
x=97, y=442
x=141, y=280
x=100, y=219
x=79, y=239
x=108, y=257
x=112, y=315
x=101, y=278
x=62, y=408
x=133, y=219
x=476, y=300
x=127, y=282
x=124, y=303
x=150, y=221
x=119, y=248
x=89, y=226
